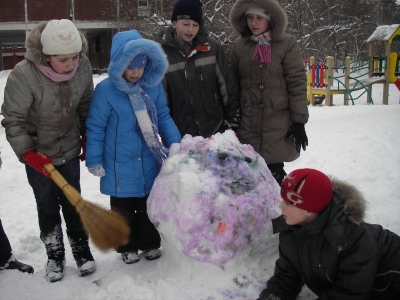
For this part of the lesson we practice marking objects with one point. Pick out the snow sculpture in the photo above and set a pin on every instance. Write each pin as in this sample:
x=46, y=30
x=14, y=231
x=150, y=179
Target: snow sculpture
x=213, y=200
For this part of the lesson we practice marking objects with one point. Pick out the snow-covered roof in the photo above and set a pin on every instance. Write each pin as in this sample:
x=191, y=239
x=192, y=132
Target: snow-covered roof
x=384, y=33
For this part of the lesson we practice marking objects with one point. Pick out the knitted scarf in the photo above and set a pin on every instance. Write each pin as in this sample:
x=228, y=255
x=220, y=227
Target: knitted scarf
x=263, y=48
x=146, y=115
x=53, y=75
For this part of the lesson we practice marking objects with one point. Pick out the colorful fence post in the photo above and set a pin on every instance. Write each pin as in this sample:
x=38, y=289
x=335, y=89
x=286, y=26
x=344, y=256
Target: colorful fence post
x=321, y=75
x=312, y=80
x=329, y=81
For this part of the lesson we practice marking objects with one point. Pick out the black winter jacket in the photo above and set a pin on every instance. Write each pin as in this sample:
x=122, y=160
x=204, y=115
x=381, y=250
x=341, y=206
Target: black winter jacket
x=200, y=87
x=338, y=256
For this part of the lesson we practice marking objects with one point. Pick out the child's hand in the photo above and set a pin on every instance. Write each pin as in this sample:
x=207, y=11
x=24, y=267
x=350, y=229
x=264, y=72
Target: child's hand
x=82, y=157
x=37, y=161
x=230, y=125
x=97, y=170
x=300, y=137
x=233, y=120
x=267, y=296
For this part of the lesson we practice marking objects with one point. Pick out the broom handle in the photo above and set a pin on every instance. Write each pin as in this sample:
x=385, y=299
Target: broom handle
x=69, y=191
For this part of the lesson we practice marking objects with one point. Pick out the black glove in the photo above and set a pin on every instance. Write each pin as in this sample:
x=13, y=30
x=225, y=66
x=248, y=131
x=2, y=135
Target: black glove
x=233, y=120
x=230, y=124
x=300, y=137
x=265, y=295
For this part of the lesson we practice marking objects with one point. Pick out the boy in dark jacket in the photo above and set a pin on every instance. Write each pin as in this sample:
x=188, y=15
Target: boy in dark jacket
x=325, y=243
x=200, y=87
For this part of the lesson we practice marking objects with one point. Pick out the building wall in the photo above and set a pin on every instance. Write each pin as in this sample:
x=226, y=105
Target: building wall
x=12, y=11
x=91, y=16
x=48, y=9
x=93, y=10
x=39, y=10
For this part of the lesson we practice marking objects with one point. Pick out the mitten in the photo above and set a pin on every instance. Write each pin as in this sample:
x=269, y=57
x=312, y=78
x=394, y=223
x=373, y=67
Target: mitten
x=300, y=137
x=97, y=170
x=233, y=120
x=230, y=125
x=36, y=161
x=82, y=157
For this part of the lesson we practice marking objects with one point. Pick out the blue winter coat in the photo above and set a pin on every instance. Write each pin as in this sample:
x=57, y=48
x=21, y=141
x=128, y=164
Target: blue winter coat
x=114, y=138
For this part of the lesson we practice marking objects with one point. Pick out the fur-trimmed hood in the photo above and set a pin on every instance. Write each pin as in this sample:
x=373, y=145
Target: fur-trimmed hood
x=33, y=45
x=125, y=46
x=354, y=202
x=278, y=21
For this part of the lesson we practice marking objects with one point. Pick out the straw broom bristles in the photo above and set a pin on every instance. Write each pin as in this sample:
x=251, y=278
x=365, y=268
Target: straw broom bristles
x=107, y=229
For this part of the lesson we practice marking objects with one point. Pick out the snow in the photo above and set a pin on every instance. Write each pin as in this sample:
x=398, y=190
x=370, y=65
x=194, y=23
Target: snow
x=383, y=33
x=211, y=202
x=359, y=144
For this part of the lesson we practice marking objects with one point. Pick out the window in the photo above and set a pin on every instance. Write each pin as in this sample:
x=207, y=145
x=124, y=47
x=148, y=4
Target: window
x=143, y=8
x=143, y=3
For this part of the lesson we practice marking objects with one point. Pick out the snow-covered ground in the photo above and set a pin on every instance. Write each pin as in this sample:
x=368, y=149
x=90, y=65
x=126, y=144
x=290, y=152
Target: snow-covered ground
x=359, y=144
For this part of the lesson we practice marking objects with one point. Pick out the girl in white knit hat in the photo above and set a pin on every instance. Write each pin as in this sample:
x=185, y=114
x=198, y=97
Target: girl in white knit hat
x=46, y=101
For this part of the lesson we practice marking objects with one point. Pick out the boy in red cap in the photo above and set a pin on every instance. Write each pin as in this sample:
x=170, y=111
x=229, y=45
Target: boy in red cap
x=325, y=243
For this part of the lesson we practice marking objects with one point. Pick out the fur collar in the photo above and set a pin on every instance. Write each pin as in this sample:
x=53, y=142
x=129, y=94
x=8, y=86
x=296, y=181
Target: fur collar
x=125, y=46
x=355, y=203
x=278, y=17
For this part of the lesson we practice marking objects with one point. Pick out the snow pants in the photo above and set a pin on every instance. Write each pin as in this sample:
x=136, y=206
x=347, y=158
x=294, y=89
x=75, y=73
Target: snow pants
x=144, y=234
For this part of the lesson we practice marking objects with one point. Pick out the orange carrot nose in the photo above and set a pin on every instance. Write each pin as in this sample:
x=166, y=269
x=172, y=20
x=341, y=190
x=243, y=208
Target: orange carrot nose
x=222, y=227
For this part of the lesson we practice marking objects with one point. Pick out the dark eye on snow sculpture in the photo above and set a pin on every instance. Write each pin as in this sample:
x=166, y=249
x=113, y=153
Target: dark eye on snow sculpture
x=247, y=159
x=222, y=156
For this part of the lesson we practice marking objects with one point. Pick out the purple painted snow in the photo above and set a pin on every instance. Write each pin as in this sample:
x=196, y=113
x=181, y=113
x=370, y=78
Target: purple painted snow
x=214, y=198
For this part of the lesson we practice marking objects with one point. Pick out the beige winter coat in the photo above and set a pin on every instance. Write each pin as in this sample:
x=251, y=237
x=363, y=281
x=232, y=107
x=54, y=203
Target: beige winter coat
x=274, y=96
x=43, y=115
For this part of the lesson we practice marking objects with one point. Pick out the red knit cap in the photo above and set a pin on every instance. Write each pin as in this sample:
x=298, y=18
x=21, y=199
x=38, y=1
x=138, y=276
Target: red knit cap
x=307, y=189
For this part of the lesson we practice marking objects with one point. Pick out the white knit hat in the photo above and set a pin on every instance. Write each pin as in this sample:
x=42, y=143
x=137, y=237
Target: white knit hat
x=258, y=11
x=60, y=37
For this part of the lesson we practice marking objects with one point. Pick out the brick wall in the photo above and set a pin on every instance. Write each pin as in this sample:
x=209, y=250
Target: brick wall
x=12, y=11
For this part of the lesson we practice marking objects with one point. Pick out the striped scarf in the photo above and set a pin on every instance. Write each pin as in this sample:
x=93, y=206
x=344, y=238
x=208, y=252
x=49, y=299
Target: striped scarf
x=146, y=115
x=263, y=48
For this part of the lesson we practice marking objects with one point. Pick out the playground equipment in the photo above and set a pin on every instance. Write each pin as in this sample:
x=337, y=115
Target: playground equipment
x=356, y=75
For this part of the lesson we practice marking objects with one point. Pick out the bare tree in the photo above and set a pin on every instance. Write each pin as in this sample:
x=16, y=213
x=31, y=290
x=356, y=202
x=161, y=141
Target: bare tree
x=339, y=28
x=322, y=27
x=216, y=20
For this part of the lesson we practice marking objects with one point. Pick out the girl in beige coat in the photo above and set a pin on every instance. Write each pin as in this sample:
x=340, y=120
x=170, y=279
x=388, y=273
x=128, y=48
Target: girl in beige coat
x=46, y=102
x=269, y=68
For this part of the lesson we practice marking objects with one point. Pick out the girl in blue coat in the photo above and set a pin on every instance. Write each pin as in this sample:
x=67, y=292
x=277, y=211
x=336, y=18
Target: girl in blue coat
x=127, y=114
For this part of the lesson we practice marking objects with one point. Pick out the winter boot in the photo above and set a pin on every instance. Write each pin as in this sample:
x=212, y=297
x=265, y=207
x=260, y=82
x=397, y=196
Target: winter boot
x=54, y=244
x=13, y=264
x=152, y=254
x=130, y=257
x=81, y=251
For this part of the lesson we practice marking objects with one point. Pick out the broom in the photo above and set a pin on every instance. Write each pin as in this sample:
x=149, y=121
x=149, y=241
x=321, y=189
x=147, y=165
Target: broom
x=107, y=229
